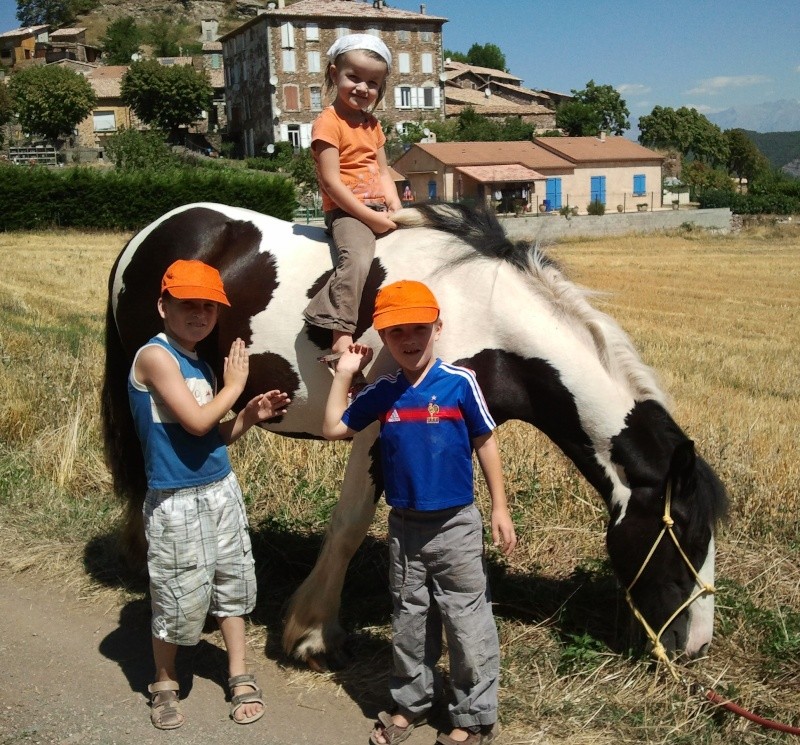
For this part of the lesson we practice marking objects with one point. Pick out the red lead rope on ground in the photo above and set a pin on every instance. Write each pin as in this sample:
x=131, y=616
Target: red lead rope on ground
x=736, y=709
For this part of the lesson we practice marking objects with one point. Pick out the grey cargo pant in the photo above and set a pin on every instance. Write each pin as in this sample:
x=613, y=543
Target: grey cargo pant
x=437, y=575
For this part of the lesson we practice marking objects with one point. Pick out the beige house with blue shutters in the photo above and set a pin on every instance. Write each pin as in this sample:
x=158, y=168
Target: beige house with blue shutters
x=540, y=176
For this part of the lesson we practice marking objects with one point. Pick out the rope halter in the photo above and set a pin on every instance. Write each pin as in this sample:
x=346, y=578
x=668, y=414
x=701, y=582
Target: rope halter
x=702, y=588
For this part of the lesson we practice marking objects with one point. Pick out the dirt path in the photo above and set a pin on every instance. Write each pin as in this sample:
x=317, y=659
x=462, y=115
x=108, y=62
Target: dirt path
x=73, y=671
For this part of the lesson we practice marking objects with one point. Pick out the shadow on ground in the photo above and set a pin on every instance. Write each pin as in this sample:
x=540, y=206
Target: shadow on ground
x=588, y=602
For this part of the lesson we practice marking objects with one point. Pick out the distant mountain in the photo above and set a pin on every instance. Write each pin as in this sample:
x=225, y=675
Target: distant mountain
x=769, y=116
x=782, y=149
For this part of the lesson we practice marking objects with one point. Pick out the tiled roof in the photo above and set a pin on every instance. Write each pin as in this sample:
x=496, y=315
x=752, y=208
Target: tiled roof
x=67, y=32
x=500, y=173
x=349, y=9
x=25, y=31
x=463, y=97
x=216, y=77
x=595, y=149
x=458, y=154
x=212, y=46
x=459, y=68
x=106, y=80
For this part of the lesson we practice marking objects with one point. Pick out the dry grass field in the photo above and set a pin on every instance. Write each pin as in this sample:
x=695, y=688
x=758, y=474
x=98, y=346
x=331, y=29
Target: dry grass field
x=718, y=317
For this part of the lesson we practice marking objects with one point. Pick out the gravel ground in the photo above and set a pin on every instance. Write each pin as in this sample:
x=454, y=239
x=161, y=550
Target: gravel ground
x=76, y=671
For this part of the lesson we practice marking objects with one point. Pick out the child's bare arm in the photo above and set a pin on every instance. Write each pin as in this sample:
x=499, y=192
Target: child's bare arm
x=330, y=180
x=389, y=188
x=503, y=534
x=156, y=367
x=258, y=409
x=355, y=359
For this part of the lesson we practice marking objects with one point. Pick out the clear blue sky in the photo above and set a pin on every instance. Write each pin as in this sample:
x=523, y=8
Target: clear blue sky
x=706, y=54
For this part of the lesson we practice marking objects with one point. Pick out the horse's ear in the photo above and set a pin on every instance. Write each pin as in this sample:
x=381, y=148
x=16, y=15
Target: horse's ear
x=682, y=468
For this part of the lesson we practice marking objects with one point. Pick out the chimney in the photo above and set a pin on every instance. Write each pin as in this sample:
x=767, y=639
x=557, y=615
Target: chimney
x=603, y=136
x=423, y=8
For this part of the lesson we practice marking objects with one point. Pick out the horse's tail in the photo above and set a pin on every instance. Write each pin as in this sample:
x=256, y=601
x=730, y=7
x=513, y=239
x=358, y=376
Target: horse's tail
x=122, y=449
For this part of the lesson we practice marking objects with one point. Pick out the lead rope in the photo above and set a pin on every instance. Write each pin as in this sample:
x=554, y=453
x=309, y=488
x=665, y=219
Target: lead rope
x=703, y=588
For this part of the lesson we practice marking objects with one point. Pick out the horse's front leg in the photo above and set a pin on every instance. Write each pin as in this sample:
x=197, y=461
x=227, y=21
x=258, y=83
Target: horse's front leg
x=312, y=631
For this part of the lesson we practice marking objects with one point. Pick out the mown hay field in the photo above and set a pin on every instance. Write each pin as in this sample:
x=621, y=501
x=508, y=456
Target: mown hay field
x=718, y=317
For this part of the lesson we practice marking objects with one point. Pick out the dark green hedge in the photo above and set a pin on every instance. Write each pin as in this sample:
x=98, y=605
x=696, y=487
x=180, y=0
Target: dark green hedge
x=751, y=204
x=36, y=198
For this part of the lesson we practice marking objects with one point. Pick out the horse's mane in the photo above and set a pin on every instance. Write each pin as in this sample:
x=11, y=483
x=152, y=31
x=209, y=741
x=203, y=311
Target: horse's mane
x=482, y=232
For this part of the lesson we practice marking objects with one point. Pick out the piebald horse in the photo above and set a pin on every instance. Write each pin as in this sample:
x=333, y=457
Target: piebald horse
x=541, y=353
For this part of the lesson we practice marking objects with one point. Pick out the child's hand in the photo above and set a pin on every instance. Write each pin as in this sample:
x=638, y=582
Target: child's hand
x=267, y=405
x=355, y=359
x=504, y=536
x=237, y=366
x=381, y=223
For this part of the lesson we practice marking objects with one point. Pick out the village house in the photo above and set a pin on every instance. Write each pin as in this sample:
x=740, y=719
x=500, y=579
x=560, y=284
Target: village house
x=540, y=176
x=39, y=45
x=496, y=94
x=18, y=46
x=275, y=67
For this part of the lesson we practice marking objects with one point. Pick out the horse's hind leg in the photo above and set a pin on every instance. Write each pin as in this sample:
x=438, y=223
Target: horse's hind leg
x=312, y=632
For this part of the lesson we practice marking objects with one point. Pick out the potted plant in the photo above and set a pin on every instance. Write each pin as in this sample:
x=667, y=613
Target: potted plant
x=641, y=207
x=675, y=204
x=620, y=208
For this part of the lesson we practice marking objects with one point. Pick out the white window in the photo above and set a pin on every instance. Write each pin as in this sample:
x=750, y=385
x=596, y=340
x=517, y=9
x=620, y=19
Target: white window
x=402, y=97
x=404, y=62
x=342, y=31
x=315, y=98
x=287, y=35
x=429, y=97
x=427, y=62
x=403, y=35
x=293, y=134
x=312, y=32
x=313, y=61
x=426, y=34
x=104, y=121
x=289, y=63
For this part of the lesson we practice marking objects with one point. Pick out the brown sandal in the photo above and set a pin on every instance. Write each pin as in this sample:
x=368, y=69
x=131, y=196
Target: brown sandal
x=165, y=707
x=392, y=733
x=253, y=696
x=484, y=737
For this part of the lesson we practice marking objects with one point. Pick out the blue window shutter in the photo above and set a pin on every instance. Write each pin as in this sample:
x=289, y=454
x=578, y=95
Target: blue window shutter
x=639, y=184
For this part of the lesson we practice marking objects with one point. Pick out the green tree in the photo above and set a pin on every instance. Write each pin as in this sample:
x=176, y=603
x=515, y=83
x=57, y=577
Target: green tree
x=610, y=107
x=686, y=130
x=166, y=97
x=578, y=119
x=50, y=100
x=6, y=110
x=514, y=129
x=472, y=127
x=745, y=160
x=700, y=177
x=456, y=56
x=487, y=55
x=130, y=150
x=165, y=36
x=121, y=41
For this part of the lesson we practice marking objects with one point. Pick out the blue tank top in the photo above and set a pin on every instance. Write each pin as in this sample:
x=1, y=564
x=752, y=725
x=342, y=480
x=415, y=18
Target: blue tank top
x=173, y=457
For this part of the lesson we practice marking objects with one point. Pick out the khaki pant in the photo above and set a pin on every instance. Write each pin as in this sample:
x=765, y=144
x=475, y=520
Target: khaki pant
x=335, y=306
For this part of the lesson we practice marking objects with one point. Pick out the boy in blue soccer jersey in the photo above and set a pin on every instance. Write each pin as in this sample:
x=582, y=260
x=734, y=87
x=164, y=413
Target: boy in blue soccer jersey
x=432, y=415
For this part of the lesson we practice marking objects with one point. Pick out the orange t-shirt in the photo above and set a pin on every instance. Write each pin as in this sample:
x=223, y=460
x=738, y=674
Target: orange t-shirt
x=358, y=146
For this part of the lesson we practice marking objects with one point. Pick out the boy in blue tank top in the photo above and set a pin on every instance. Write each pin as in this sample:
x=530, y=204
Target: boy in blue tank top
x=199, y=555
x=432, y=415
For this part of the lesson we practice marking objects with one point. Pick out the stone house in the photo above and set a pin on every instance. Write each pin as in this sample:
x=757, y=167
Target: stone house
x=18, y=46
x=544, y=175
x=495, y=94
x=275, y=66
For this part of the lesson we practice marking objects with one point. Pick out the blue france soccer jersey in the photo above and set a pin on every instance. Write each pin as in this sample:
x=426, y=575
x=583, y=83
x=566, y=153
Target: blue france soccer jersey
x=426, y=434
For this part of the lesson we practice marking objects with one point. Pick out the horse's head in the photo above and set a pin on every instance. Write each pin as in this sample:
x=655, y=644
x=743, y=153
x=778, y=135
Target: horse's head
x=662, y=549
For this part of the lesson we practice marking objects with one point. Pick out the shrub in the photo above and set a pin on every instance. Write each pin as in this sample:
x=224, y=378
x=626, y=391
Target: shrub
x=596, y=208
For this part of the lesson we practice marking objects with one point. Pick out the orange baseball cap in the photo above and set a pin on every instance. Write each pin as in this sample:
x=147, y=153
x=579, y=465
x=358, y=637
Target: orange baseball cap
x=405, y=301
x=193, y=280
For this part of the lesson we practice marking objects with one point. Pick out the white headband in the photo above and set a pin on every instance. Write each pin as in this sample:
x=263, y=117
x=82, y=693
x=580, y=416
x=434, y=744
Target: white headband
x=360, y=41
